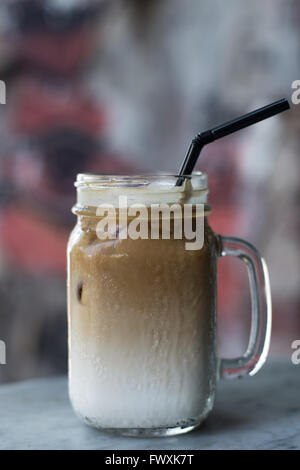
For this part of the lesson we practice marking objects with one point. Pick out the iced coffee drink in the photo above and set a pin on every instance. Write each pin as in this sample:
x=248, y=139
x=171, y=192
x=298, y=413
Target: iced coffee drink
x=142, y=310
x=141, y=318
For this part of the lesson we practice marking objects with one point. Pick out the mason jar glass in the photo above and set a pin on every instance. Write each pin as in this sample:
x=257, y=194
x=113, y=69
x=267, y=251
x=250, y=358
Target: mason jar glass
x=142, y=304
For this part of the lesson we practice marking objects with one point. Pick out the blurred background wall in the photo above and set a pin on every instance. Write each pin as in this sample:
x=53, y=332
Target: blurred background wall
x=112, y=85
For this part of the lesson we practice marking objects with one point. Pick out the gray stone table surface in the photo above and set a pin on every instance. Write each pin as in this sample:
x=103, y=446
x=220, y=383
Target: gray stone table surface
x=260, y=412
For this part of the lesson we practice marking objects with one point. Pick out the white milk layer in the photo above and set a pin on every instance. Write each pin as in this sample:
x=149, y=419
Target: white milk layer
x=116, y=389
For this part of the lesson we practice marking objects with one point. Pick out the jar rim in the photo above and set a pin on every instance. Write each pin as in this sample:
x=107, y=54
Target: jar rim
x=100, y=181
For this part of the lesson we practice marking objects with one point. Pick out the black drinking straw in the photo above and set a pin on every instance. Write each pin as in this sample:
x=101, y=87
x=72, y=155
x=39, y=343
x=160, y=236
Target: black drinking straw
x=230, y=127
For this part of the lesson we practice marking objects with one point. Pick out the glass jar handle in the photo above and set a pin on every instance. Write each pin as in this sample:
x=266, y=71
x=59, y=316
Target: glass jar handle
x=261, y=317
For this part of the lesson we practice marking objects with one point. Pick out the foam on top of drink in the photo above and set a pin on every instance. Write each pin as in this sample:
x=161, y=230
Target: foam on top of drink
x=93, y=190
